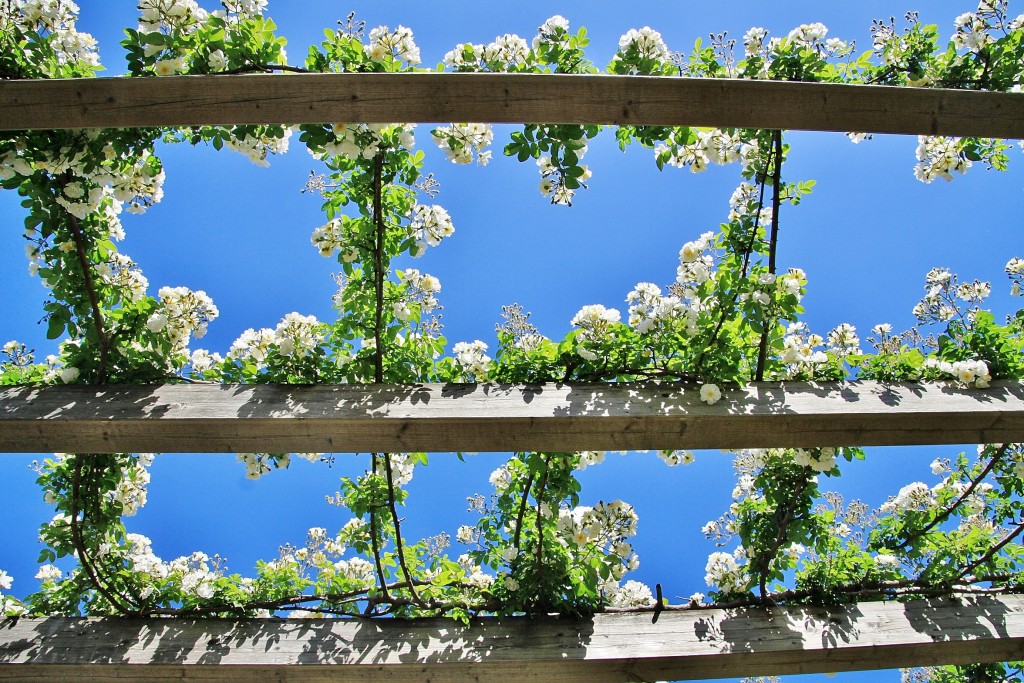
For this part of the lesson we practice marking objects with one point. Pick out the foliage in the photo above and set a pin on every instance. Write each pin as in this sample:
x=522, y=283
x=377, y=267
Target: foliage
x=729, y=317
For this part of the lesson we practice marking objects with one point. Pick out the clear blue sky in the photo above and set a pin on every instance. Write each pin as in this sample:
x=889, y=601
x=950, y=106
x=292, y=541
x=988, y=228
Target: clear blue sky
x=866, y=237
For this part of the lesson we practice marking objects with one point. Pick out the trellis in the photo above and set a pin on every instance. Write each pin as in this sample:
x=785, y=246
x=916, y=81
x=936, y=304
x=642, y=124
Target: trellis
x=657, y=644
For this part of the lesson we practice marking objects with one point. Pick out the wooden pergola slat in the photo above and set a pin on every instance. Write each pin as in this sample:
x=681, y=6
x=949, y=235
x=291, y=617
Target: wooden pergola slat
x=712, y=643
x=491, y=417
x=505, y=98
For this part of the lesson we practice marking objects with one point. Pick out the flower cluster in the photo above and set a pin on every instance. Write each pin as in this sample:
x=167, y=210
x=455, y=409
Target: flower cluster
x=631, y=594
x=553, y=182
x=641, y=51
x=182, y=313
x=294, y=337
x=397, y=45
x=461, y=141
x=124, y=276
x=605, y=528
x=818, y=459
x=709, y=147
x=421, y=289
x=553, y=33
x=49, y=26
x=594, y=322
x=257, y=144
x=944, y=293
x=673, y=458
x=695, y=263
x=971, y=373
x=429, y=225
x=843, y=341
x=472, y=360
x=727, y=571
x=914, y=496
x=649, y=310
x=940, y=157
x=799, y=350
x=1015, y=269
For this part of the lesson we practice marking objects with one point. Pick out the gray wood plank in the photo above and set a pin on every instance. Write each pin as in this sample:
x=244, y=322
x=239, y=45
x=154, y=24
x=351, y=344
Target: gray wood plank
x=692, y=644
x=505, y=98
x=491, y=417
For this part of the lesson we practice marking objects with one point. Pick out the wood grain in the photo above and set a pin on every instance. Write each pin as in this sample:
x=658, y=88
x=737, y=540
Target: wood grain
x=491, y=417
x=505, y=98
x=608, y=647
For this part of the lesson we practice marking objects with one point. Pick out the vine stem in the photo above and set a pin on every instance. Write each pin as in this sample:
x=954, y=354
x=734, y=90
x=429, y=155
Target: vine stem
x=538, y=495
x=773, y=242
x=378, y=268
x=79, y=542
x=90, y=290
x=378, y=377
x=780, y=538
x=399, y=546
x=522, y=511
x=378, y=357
x=762, y=183
x=944, y=515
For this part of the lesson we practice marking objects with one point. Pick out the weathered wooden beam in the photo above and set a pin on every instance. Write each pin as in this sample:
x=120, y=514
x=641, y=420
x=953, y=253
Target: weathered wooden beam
x=491, y=417
x=608, y=647
x=505, y=98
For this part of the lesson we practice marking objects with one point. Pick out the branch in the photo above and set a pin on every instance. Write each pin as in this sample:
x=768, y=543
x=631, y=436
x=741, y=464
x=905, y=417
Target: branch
x=991, y=552
x=944, y=515
x=262, y=68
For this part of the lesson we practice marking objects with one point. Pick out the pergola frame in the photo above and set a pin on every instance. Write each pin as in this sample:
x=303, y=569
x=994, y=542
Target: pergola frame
x=607, y=647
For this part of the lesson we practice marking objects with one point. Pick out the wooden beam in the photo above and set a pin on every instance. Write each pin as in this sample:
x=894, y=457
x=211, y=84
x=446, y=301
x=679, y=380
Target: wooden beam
x=505, y=98
x=491, y=417
x=693, y=644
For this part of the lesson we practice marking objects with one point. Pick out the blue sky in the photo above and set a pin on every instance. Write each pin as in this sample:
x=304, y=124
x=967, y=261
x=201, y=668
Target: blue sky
x=865, y=237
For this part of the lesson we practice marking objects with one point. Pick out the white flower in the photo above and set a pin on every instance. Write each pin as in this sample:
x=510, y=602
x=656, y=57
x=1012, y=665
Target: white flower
x=217, y=60
x=710, y=394
x=156, y=322
x=69, y=375
x=48, y=572
x=168, y=67
x=5, y=580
